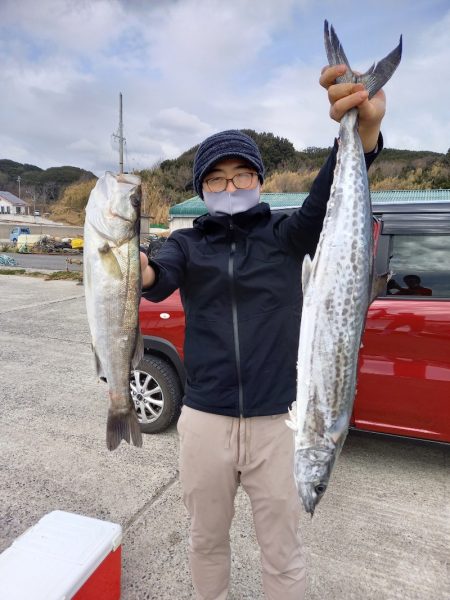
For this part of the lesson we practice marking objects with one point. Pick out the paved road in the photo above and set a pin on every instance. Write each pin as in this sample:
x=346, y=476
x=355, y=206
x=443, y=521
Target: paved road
x=53, y=262
x=55, y=230
x=380, y=533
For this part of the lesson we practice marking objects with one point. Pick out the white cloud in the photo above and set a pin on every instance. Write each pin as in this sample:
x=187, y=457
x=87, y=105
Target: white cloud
x=188, y=68
x=82, y=26
x=15, y=151
x=419, y=113
x=82, y=145
x=293, y=105
x=175, y=118
x=206, y=41
x=54, y=76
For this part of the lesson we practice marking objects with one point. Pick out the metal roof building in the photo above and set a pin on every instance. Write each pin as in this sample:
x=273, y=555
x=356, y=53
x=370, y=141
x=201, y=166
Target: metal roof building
x=183, y=214
x=11, y=204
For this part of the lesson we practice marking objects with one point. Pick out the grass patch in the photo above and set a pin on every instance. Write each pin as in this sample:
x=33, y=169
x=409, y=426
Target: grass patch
x=68, y=275
x=11, y=271
x=35, y=274
x=5, y=247
x=71, y=275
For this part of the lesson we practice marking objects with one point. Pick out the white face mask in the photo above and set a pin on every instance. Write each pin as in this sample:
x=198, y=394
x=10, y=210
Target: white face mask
x=231, y=203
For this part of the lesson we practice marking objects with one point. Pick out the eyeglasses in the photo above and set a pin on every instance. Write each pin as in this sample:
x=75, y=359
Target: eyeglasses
x=241, y=181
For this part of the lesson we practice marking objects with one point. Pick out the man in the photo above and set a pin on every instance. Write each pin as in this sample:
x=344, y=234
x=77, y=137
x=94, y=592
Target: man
x=413, y=287
x=238, y=270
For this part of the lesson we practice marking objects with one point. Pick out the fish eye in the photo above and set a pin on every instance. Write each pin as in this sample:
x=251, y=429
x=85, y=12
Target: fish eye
x=320, y=489
x=135, y=200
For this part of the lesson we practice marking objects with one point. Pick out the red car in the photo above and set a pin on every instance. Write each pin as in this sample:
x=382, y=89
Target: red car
x=404, y=374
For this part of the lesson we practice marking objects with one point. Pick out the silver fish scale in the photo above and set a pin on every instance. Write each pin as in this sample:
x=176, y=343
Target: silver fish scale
x=112, y=313
x=336, y=298
x=112, y=279
x=337, y=289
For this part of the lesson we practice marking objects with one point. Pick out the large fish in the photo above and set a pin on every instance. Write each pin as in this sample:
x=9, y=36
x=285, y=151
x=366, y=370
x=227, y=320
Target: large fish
x=112, y=281
x=338, y=286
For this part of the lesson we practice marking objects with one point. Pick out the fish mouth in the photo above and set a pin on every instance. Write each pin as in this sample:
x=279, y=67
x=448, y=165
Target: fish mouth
x=311, y=494
x=118, y=216
x=116, y=241
x=312, y=472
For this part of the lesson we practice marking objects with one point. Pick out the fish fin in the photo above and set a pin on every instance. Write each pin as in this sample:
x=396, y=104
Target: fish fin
x=377, y=76
x=336, y=55
x=138, y=350
x=306, y=271
x=292, y=421
x=109, y=261
x=98, y=365
x=291, y=425
x=379, y=283
x=119, y=426
x=339, y=428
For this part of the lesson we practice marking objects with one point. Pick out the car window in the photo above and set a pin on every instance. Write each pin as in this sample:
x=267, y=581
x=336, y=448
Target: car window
x=420, y=266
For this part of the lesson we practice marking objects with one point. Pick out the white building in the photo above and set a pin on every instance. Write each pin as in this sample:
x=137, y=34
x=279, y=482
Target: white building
x=12, y=205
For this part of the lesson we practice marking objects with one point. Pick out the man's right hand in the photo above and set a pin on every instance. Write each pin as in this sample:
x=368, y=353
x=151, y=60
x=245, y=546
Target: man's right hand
x=148, y=273
x=344, y=96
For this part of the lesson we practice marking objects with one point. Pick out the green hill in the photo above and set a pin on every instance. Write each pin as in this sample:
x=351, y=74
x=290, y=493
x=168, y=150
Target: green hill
x=291, y=170
x=170, y=182
x=45, y=184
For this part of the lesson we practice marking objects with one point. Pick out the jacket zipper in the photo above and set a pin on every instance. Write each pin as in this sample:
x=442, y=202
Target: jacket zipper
x=235, y=323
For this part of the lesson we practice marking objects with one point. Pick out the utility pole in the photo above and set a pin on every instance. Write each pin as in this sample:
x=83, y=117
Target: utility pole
x=18, y=181
x=32, y=194
x=119, y=135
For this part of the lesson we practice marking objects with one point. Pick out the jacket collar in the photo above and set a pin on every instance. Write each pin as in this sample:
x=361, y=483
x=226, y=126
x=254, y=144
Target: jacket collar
x=241, y=221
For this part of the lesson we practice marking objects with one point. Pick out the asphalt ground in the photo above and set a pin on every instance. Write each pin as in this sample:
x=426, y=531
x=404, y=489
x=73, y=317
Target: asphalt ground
x=381, y=532
x=51, y=262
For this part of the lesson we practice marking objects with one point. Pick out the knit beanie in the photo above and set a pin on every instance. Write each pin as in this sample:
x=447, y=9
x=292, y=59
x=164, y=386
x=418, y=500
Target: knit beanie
x=226, y=144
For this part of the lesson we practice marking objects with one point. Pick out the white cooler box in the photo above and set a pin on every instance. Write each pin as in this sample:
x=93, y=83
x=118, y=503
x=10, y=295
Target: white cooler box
x=63, y=556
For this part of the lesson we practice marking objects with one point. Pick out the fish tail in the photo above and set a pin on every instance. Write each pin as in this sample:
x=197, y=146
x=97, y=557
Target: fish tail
x=336, y=55
x=375, y=77
x=119, y=427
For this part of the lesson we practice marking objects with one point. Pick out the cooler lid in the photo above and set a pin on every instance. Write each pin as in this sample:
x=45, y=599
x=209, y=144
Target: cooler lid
x=52, y=559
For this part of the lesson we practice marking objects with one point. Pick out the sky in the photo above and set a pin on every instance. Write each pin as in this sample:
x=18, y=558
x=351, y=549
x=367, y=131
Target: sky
x=190, y=68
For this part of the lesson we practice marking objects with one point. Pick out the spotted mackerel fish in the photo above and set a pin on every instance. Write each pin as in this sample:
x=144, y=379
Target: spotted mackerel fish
x=338, y=286
x=112, y=283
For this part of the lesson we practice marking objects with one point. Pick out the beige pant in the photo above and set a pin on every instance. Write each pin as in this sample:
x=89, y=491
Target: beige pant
x=217, y=453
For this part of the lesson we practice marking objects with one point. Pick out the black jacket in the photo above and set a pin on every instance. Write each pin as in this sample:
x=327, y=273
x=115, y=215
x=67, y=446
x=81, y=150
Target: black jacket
x=240, y=284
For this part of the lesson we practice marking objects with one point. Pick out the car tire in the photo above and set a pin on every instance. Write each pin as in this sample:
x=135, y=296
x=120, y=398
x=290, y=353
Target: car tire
x=156, y=394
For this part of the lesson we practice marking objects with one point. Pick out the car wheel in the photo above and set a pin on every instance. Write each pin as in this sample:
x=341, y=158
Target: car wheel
x=156, y=393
